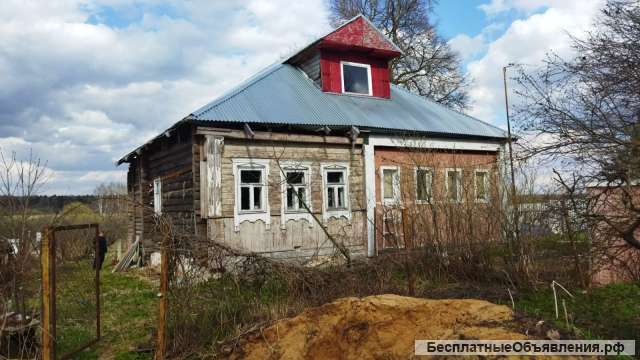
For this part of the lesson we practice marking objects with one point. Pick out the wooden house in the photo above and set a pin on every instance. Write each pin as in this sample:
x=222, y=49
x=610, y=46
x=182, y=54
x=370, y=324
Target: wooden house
x=303, y=150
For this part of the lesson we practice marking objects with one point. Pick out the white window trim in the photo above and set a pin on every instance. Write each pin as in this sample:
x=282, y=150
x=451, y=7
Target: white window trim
x=298, y=215
x=251, y=216
x=157, y=196
x=328, y=214
x=415, y=183
x=396, y=200
x=486, y=185
x=366, y=66
x=446, y=184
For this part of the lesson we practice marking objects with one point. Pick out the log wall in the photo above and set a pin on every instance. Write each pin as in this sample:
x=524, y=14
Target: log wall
x=297, y=238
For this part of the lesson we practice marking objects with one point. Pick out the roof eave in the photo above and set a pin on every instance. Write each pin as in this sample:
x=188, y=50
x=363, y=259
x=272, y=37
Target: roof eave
x=139, y=149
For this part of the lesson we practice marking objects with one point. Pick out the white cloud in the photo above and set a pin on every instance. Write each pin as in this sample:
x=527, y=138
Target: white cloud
x=495, y=7
x=468, y=47
x=526, y=41
x=81, y=88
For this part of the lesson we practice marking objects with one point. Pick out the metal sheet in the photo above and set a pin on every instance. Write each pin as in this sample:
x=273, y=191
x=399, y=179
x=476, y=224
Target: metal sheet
x=283, y=94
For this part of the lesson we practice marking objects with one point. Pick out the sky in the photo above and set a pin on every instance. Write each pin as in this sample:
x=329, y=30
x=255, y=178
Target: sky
x=83, y=82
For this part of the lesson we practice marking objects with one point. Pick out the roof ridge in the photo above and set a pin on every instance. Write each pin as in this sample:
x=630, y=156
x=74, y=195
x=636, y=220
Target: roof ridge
x=239, y=88
x=293, y=53
x=446, y=107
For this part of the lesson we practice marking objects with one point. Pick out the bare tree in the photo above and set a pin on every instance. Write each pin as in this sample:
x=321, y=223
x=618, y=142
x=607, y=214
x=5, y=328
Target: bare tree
x=586, y=113
x=20, y=181
x=428, y=65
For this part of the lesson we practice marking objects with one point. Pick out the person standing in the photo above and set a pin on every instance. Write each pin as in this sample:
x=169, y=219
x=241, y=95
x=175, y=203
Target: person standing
x=102, y=251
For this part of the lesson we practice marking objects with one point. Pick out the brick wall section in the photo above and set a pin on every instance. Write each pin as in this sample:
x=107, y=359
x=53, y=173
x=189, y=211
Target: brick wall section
x=407, y=160
x=613, y=259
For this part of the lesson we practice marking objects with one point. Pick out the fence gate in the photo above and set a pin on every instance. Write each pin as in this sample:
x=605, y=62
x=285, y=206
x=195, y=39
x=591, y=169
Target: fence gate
x=70, y=290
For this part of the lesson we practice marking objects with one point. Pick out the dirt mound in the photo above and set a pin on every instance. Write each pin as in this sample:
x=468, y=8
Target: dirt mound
x=376, y=327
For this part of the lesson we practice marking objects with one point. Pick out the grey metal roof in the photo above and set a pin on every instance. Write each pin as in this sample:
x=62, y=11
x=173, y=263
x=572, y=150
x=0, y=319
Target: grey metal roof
x=283, y=94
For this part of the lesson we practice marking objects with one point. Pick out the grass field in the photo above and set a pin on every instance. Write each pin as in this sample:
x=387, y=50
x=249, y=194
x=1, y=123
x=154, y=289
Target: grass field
x=128, y=314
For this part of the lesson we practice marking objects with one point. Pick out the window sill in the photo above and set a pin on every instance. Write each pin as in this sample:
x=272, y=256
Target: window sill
x=243, y=212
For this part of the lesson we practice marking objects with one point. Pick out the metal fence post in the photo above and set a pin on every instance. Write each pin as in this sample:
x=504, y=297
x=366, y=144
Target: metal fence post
x=47, y=252
x=161, y=346
x=98, y=267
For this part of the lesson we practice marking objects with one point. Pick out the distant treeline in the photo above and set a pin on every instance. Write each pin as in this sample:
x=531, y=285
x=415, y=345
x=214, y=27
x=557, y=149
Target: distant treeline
x=54, y=203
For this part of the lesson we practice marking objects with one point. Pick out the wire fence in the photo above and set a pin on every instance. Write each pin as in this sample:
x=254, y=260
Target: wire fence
x=70, y=290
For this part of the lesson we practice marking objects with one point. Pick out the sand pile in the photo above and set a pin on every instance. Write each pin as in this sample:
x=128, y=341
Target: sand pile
x=376, y=327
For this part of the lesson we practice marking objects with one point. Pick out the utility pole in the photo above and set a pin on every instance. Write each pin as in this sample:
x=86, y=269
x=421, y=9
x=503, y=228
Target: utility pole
x=509, y=141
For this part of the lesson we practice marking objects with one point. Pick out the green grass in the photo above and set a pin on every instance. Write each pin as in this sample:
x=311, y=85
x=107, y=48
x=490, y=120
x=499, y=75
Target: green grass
x=610, y=312
x=129, y=306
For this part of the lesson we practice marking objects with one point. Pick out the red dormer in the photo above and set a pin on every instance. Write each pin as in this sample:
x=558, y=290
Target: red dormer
x=353, y=59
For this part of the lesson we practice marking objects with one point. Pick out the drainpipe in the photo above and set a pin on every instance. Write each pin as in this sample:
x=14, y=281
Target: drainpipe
x=370, y=194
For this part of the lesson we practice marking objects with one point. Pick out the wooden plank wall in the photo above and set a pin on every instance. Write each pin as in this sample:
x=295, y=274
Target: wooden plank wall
x=170, y=158
x=135, y=210
x=298, y=236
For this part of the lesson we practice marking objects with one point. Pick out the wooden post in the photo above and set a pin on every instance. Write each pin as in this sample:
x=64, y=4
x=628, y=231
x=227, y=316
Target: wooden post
x=97, y=246
x=47, y=258
x=161, y=346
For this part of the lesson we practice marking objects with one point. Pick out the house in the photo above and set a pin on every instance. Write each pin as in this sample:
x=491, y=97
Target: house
x=308, y=152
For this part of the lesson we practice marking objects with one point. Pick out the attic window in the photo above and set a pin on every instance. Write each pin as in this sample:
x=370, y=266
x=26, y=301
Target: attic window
x=356, y=78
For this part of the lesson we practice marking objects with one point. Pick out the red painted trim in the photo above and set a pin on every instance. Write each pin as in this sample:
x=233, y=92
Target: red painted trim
x=332, y=74
x=360, y=33
x=382, y=53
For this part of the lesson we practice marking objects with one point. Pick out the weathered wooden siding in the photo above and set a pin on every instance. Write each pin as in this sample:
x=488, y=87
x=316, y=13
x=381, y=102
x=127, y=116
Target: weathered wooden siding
x=170, y=159
x=298, y=235
x=135, y=209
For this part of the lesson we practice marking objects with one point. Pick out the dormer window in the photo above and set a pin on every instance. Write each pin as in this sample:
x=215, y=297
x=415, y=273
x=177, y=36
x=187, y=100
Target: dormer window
x=356, y=78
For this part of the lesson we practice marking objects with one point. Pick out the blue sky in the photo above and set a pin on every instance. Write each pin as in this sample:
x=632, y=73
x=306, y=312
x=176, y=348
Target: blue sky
x=455, y=17
x=83, y=82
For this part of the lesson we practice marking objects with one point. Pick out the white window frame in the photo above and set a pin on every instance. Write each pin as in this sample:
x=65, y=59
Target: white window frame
x=263, y=214
x=415, y=174
x=366, y=66
x=459, y=198
x=157, y=196
x=486, y=185
x=396, y=199
x=300, y=214
x=335, y=213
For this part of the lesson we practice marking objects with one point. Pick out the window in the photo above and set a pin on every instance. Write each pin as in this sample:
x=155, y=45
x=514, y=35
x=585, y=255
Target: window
x=356, y=78
x=251, y=184
x=296, y=192
x=335, y=180
x=157, y=196
x=335, y=190
x=482, y=185
x=390, y=177
x=251, y=191
x=424, y=185
x=454, y=185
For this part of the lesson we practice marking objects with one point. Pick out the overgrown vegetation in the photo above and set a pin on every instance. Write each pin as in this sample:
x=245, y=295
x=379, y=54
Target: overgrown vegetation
x=610, y=312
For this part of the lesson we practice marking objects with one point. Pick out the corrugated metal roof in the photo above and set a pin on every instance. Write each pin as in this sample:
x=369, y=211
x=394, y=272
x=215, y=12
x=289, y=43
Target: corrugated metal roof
x=283, y=94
